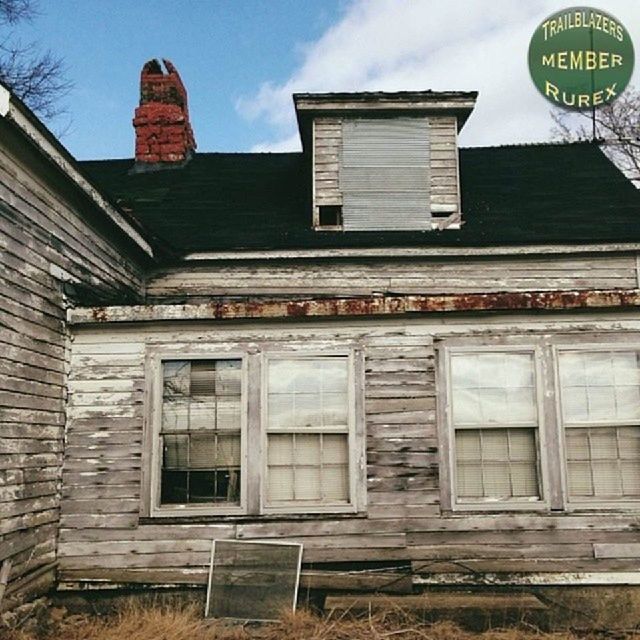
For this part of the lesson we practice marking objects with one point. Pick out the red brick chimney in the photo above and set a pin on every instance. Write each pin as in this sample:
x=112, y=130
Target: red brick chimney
x=163, y=132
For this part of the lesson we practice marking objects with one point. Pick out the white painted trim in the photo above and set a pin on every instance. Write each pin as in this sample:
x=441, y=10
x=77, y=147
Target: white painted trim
x=5, y=98
x=555, y=579
x=412, y=252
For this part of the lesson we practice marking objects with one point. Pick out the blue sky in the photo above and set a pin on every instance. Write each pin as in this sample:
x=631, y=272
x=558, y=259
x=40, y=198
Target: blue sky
x=223, y=49
x=241, y=60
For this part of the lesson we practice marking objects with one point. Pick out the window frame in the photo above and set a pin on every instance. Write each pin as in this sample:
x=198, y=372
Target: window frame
x=447, y=430
x=253, y=459
x=355, y=439
x=586, y=503
x=152, y=462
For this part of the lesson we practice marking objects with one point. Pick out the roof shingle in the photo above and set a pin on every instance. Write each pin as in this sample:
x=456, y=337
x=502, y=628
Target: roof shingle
x=529, y=194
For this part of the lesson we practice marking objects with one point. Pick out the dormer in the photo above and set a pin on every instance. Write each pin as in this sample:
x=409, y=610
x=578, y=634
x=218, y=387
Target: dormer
x=384, y=161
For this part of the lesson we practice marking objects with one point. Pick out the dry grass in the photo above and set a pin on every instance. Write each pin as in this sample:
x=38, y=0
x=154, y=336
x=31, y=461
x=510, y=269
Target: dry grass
x=154, y=622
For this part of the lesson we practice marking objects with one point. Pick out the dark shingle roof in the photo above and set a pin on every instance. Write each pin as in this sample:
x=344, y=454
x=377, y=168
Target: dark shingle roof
x=529, y=194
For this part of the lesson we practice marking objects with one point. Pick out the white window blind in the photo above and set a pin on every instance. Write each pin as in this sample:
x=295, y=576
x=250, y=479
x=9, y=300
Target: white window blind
x=308, y=431
x=200, y=432
x=495, y=421
x=600, y=408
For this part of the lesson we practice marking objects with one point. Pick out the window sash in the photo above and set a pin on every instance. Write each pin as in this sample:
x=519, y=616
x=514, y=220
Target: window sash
x=452, y=499
x=317, y=502
x=203, y=402
x=600, y=477
x=509, y=471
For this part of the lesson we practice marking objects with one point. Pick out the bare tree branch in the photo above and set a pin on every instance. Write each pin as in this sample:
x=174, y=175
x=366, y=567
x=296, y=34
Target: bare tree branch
x=36, y=77
x=13, y=11
x=617, y=129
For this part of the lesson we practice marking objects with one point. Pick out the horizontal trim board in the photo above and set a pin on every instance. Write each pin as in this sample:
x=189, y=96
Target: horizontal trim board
x=362, y=306
x=555, y=579
x=405, y=252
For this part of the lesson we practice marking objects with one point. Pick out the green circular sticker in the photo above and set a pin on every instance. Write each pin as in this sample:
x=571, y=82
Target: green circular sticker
x=580, y=58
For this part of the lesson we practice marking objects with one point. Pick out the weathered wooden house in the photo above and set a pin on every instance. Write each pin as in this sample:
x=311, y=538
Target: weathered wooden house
x=402, y=354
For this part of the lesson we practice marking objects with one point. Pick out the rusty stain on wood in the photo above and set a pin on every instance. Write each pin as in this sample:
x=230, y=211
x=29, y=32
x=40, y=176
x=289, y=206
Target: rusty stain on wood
x=363, y=306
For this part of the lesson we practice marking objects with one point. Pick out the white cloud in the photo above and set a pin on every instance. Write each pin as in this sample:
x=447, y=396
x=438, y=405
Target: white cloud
x=393, y=45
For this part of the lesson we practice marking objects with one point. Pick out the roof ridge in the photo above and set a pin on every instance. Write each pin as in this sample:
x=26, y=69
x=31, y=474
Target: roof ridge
x=543, y=143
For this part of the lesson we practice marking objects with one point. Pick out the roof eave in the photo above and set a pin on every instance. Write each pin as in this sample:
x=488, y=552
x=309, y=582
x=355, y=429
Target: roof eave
x=358, y=104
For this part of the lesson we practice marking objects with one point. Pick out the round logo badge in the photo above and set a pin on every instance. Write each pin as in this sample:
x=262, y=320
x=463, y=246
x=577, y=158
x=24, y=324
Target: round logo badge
x=580, y=58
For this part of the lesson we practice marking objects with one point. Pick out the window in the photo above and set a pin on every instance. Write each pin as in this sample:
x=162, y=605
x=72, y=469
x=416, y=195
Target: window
x=330, y=216
x=495, y=427
x=200, y=435
x=600, y=412
x=539, y=423
x=253, y=433
x=308, y=431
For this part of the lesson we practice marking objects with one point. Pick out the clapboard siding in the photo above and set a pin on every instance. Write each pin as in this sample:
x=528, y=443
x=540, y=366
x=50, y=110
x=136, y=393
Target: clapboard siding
x=342, y=277
x=444, y=187
x=327, y=136
x=41, y=227
x=103, y=537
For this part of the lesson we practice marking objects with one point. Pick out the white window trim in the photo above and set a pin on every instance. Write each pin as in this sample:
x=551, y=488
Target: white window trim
x=586, y=503
x=449, y=497
x=153, y=462
x=356, y=439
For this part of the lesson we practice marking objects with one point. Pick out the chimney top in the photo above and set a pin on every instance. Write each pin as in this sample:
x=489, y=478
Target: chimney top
x=164, y=138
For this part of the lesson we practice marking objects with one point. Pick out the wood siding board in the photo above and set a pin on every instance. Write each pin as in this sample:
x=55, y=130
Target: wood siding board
x=40, y=228
x=403, y=518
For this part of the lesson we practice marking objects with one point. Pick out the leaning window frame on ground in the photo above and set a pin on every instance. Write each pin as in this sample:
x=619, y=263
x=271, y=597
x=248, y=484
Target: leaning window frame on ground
x=248, y=543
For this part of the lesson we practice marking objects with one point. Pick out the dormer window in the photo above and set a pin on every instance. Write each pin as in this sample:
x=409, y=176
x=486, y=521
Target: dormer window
x=384, y=161
x=330, y=217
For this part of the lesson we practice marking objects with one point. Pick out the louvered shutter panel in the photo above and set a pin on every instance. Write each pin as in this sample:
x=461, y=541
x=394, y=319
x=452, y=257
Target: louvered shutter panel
x=384, y=174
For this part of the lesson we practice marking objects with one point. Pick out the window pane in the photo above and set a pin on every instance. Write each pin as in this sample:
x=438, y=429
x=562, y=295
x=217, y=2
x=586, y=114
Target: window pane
x=280, y=450
x=175, y=414
x=228, y=413
x=307, y=449
x=174, y=487
x=335, y=449
x=176, y=452
x=202, y=414
x=497, y=463
x=335, y=483
x=603, y=462
x=600, y=386
x=228, y=378
x=201, y=420
x=307, y=484
x=280, y=484
x=177, y=374
x=493, y=389
x=203, y=378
